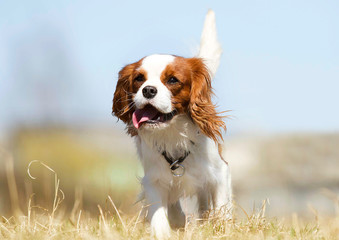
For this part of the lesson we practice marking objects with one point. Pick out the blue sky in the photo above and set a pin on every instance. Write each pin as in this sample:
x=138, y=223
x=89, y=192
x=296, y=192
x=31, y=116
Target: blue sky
x=279, y=70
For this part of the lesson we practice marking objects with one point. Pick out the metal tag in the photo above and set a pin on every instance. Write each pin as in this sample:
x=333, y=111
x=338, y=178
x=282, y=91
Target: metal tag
x=180, y=171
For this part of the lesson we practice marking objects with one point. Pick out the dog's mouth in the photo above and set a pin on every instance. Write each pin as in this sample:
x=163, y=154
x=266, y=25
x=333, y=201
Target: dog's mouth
x=150, y=115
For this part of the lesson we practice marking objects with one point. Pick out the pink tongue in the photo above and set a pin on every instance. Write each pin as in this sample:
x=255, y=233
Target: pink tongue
x=143, y=115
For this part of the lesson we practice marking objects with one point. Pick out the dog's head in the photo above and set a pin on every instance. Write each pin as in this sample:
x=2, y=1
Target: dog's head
x=150, y=93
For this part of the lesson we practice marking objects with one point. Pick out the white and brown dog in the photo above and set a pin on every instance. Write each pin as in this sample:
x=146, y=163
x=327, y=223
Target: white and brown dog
x=165, y=101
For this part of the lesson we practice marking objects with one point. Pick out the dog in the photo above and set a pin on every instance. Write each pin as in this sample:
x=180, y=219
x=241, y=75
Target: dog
x=165, y=102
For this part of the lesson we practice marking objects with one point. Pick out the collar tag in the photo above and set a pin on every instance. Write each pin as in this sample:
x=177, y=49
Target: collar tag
x=178, y=170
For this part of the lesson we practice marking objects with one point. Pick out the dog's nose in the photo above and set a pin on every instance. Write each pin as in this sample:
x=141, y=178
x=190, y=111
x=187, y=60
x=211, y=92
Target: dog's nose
x=149, y=92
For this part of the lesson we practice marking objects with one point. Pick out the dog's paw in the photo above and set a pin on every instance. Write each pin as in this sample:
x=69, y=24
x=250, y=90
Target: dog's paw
x=160, y=225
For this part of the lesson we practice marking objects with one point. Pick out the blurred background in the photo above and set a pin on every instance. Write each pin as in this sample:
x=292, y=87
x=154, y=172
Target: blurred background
x=279, y=76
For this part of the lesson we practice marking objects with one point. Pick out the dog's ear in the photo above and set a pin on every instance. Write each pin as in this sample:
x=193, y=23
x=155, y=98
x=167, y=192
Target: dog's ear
x=122, y=100
x=201, y=109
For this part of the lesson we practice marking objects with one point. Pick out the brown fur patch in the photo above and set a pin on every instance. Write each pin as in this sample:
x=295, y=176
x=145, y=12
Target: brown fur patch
x=123, y=106
x=201, y=108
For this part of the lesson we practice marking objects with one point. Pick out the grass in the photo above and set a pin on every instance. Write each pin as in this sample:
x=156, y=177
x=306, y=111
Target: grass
x=84, y=165
x=41, y=203
x=110, y=223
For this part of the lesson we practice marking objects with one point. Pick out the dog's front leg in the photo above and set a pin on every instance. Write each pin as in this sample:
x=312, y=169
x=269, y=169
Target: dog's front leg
x=156, y=201
x=222, y=192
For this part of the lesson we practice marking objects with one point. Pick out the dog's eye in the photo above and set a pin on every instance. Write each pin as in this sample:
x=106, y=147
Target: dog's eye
x=172, y=80
x=139, y=78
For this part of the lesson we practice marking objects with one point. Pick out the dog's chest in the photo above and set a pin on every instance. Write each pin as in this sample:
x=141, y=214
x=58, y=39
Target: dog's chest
x=195, y=170
x=180, y=138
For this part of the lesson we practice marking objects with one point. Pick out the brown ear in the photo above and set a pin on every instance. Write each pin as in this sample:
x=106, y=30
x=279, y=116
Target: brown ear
x=122, y=101
x=202, y=110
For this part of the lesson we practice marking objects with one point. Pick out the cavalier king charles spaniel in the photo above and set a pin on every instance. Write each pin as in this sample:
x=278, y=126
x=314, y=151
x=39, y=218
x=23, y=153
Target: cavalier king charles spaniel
x=165, y=102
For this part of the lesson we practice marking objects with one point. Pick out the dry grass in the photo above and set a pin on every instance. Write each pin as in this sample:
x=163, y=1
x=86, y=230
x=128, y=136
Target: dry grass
x=110, y=223
x=41, y=215
x=85, y=166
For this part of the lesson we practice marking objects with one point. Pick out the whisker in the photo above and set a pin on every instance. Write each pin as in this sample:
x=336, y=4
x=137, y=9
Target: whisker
x=128, y=94
x=122, y=111
x=126, y=100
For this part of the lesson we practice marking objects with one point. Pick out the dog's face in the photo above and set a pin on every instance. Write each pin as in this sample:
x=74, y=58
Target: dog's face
x=151, y=92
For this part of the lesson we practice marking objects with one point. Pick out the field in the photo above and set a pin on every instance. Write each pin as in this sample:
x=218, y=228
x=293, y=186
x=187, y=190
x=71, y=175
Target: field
x=111, y=225
x=76, y=184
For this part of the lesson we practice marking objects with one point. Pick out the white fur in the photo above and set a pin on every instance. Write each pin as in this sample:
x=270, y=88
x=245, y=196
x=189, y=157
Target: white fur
x=207, y=176
x=206, y=183
x=154, y=65
x=210, y=48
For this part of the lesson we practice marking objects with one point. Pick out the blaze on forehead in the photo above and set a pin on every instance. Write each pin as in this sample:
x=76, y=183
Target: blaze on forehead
x=155, y=64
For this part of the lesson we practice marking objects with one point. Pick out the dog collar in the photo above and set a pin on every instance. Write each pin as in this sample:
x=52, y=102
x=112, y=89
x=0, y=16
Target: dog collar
x=176, y=163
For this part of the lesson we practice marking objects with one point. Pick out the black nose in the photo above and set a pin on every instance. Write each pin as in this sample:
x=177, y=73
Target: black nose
x=149, y=92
